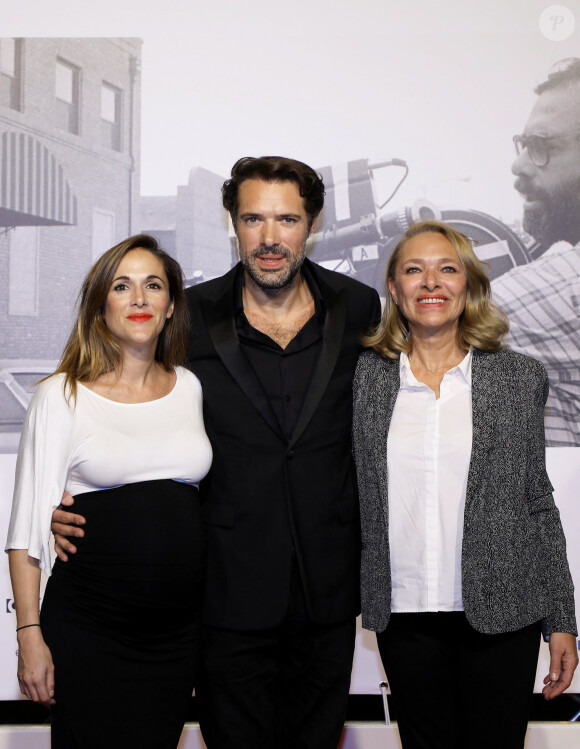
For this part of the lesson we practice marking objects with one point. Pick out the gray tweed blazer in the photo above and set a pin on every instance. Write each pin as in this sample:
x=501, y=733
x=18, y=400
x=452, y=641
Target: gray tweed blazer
x=514, y=565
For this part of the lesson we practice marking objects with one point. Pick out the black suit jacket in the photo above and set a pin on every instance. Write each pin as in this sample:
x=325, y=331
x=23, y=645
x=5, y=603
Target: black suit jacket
x=264, y=492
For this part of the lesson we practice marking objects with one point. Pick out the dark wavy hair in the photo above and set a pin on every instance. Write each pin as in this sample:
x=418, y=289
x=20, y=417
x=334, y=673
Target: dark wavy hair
x=275, y=169
x=92, y=350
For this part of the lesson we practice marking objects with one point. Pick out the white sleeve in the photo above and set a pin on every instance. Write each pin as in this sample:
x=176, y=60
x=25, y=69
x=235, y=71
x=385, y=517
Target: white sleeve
x=41, y=470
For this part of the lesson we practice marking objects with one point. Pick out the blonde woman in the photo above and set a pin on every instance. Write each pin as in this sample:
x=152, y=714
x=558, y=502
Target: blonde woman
x=119, y=426
x=464, y=558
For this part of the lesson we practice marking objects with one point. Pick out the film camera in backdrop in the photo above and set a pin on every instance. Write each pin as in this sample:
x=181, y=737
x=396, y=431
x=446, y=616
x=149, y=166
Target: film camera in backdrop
x=357, y=233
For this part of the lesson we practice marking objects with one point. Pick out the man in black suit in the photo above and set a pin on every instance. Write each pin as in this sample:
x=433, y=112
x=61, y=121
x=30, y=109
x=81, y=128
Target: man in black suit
x=275, y=343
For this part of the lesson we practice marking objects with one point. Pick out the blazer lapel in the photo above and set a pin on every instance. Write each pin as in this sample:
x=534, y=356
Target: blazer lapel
x=483, y=392
x=331, y=344
x=387, y=386
x=220, y=320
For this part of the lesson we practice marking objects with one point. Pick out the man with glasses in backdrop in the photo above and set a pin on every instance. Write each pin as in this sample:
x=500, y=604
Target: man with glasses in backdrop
x=542, y=299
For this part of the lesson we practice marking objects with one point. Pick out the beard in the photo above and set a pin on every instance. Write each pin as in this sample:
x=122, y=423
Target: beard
x=275, y=279
x=552, y=216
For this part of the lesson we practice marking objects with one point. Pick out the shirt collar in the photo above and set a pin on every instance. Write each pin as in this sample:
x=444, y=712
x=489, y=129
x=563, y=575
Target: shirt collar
x=461, y=370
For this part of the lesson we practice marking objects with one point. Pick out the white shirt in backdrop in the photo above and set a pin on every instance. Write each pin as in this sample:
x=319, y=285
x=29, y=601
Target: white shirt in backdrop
x=428, y=454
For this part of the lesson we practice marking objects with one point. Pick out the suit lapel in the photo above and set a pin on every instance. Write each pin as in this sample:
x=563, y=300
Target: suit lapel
x=331, y=344
x=221, y=325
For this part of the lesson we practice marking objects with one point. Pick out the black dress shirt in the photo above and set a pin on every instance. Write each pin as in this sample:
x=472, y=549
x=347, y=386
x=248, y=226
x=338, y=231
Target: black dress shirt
x=284, y=373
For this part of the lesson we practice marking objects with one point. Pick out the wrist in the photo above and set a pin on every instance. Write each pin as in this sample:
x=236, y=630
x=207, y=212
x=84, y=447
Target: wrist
x=29, y=638
x=22, y=627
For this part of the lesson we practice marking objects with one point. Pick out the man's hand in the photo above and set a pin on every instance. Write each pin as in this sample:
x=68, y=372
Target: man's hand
x=563, y=662
x=65, y=524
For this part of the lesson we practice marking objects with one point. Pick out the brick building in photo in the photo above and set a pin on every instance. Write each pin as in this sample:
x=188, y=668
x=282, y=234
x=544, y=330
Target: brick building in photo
x=69, y=177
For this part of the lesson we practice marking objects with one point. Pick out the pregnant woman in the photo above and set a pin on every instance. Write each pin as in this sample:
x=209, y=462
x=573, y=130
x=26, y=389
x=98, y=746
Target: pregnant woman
x=119, y=426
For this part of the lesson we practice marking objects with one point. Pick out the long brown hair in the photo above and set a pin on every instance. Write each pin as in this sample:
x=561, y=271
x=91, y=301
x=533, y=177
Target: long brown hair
x=92, y=350
x=481, y=325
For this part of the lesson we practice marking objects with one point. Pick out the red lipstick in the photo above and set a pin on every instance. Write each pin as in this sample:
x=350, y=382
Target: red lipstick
x=139, y=317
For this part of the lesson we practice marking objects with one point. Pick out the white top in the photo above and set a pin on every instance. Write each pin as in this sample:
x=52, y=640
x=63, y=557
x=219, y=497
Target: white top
x=428, y=454
x=100, y=444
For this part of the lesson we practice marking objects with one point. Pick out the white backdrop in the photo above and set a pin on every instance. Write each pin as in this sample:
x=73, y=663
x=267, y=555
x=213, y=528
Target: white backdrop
x=443, y=85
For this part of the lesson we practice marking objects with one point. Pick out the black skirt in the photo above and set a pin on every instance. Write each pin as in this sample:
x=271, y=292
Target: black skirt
x=121, y=618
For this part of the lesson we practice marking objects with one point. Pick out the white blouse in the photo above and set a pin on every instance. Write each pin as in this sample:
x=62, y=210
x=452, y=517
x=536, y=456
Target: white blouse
x=428, y=454
x=100, y=444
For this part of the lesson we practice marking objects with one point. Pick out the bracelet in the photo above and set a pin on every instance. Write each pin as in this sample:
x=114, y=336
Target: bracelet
x=25, y=626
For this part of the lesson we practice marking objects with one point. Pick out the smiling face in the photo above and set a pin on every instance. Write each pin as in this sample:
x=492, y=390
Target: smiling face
x=552, y=192
x=138, y=303
x=430, y=285
x=272, y=229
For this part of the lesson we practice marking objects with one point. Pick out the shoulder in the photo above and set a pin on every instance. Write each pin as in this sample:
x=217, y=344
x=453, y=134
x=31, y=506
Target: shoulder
x=369, y=359
x=186, y=379
x=370, y=364
x=50, y=390
x=213, y=288
x=510, y=364
x=338, y=281
x=49, y=403
x=558, y=263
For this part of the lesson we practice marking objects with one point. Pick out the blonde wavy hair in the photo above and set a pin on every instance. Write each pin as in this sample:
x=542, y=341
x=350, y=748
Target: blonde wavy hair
x=482, y=324
x=92, y=350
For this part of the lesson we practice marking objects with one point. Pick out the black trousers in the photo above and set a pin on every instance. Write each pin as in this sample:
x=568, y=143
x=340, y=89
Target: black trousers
x=455, y=688
x=280, y=688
